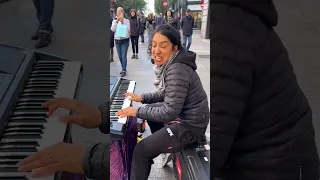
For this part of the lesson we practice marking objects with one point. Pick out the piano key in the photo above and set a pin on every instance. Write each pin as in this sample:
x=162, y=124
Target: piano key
x=27, y=129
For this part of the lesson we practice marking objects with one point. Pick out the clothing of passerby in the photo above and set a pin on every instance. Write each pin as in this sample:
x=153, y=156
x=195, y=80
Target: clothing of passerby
x=111, y=41
x=151, y=26
x=187, y=23
x=143, y=23
x=122, y=43
x=159, y=20
x=181, y=97
x=44, y=14
x=134, y=33
x=262, y=120
x=169, y=19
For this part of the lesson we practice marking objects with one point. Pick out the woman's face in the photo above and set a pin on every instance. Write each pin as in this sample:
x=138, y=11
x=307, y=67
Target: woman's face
x=168, y=13
x=119, y=13
x=162, y=49
x=133, y=13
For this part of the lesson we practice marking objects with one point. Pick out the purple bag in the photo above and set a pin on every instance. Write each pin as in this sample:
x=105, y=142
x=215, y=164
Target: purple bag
x=121, y=152
x=71, y=176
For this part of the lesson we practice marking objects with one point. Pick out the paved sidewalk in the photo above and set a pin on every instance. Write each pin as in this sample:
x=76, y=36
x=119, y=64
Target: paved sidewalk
x=141, y=71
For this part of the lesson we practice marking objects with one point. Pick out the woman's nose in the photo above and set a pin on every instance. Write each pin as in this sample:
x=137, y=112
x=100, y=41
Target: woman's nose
x=157, y=50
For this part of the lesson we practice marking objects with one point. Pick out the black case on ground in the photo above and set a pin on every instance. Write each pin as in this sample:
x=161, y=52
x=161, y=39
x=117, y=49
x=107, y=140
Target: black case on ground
x=194, y=162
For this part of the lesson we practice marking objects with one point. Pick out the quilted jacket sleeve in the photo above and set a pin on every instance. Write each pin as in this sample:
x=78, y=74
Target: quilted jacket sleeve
x=96, y=163
x=154, y=97
x=177, y=80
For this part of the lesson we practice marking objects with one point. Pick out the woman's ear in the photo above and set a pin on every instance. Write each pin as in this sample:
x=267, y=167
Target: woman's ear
x=175, y=48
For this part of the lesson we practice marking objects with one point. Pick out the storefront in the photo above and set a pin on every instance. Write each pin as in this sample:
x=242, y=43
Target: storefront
x=196, y=12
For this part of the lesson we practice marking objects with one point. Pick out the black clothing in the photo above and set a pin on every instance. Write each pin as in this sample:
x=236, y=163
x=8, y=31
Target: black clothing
x=161, y=142
x=44, y=14
x=261, y=126
x=96, y=162
x=184, y=95
x=111, y=34
x=182, y=99
x=187, y=25
x=135, y=44
x=134, y=26
x=264, y=9
x=172, y=21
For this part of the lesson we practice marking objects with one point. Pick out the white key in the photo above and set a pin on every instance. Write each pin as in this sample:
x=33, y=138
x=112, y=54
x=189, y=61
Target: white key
x=127, y=102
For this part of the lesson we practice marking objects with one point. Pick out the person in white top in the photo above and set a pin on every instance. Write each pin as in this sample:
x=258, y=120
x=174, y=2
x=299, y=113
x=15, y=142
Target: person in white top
x=122, y=43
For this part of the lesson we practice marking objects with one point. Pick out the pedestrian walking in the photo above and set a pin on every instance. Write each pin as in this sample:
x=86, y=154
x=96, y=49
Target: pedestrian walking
x=111, y=38
x=159, y=20
x=143, y=22
x=134, y=33
x=44, y=16
x=151, y=26
x=169, y=19
x=187, y=23
x=121, y=27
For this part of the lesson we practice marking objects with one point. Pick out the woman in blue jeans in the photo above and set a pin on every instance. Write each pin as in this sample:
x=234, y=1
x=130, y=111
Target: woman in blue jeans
x=122, y=43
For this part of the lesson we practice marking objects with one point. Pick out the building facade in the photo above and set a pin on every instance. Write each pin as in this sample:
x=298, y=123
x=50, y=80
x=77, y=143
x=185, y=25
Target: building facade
x=205, y=29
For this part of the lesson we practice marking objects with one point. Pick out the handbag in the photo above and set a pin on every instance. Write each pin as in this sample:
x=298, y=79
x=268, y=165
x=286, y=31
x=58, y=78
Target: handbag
x=121, y=30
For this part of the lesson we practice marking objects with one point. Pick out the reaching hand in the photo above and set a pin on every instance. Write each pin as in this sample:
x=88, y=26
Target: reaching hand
x=129, y=111
x=87, y=116
x=133, y=97
x=59, y=157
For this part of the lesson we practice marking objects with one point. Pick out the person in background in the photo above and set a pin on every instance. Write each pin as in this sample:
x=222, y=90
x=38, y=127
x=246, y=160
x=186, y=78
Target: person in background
x=143, y=22
x=261, y=126
x=187, y=29
x=111, y=38
x=169, y=19
x=151, y=26
x=122, y=43
x=134, y=33
x=93, y=161
x=159, y=20
x=44, y=16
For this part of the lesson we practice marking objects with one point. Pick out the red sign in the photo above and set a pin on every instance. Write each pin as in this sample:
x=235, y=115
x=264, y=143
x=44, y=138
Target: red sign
x=165, y=3
x=202, y=5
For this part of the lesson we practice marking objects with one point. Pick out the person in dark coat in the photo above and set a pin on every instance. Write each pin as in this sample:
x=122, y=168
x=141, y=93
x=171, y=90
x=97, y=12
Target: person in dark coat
x=187, y=23
x=261, y=126
x=93, y=161
x=134, y=33
x=111, y=39
x=143, y=23
x=170, y=19
x=181, y=115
